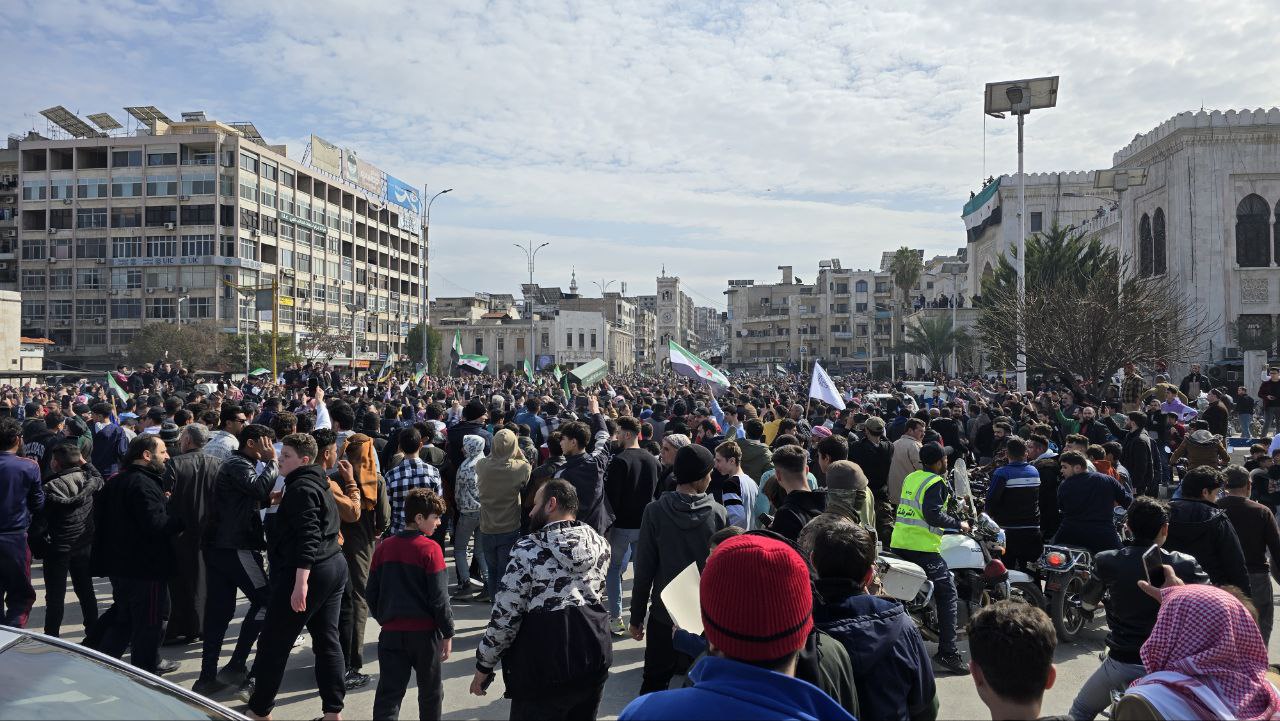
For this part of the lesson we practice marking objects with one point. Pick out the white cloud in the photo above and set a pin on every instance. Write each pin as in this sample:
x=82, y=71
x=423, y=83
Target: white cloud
x=721, y=140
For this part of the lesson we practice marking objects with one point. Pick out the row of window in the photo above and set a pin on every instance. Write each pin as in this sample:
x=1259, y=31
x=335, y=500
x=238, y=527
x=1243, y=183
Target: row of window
x=119, y=278
x=35, y=311
x=1254, y=232
x=120, y=186
x=155, y=246
x=1152, y=251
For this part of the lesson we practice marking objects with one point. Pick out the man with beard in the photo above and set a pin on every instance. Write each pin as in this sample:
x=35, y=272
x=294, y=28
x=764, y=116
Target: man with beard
x=552, y=596
x=133, y=547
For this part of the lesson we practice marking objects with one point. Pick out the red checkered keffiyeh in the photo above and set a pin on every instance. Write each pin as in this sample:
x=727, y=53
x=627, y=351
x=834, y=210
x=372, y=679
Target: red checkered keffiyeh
x=1207, y=634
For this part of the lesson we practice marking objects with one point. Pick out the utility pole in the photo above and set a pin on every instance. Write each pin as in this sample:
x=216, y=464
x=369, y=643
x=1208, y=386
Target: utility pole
x=530, y=254
x=422, y=275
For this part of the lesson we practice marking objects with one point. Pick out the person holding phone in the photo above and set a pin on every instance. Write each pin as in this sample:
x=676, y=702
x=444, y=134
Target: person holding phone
x=1131, y=613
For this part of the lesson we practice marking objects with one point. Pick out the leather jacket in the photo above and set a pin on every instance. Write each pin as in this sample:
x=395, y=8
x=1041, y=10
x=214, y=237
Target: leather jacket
x=1131, y=613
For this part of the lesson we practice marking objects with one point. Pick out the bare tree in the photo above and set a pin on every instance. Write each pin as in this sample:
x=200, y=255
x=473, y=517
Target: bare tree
x=323, y=341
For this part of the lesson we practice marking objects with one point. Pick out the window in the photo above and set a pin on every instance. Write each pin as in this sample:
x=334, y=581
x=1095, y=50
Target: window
x=91, y=307
x=303, y=264
x=60, y=219
x=192, y=156
x=347, y=270
x=226, y=184
x=197, y=244
x=199, y=308
x=126, y=278
x=162, y=185
x=198, y=277
x=126, y=159
x=33, y=279
x=197, y=183
x=502, y=342
x=60, y=279
x=33, y=311
x=286, y=178
x=34, y=249
x=91, y=247
x=546, y=341
x=479, y=346
x=91, y=217
x=60, y=310
x=60, y=248
x=96, y=336
x=268, y=170
x=126, y=186
x=161, y=308
x=162, y=155
x=197, y=214
x=160, y=215
x=159, y=278
x=227, y=246
x=60, y=189
x=126, y=217
x=286, y=200
x=1253, y=246
x=161, y=246
x=593, y=340
x=303, y=236
x=1159, y=261
x=88, y=278
x=248, y=248
x=248, y=219
x=249, y=188
x=268, y=197
x=286, y=231
x=34, y=190
x=126, y=247
x=582, y=340
x=568, y=339
x=1037, y=222
x=320, y=292
x=126, y=308
x=123, y=336
x=92, y=188
x=860, y=307
x=286, y=258
x=249, y=162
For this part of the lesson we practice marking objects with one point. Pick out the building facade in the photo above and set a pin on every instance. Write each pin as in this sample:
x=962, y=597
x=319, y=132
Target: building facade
x=115, y=232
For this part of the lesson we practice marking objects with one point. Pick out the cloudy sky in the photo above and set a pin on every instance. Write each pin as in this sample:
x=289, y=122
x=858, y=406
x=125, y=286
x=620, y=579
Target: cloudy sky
x=720, y=139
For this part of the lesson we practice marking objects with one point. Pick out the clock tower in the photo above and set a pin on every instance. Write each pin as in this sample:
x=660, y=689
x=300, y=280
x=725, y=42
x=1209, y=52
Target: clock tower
x=671, y=320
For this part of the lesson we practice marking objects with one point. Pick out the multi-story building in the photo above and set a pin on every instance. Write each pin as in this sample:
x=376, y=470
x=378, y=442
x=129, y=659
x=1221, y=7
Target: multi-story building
x=561, y=336
x=711, y=327
x=673, y=310
x=118, y=231
x=628, y=321
x=471, y=308
x=9, y=215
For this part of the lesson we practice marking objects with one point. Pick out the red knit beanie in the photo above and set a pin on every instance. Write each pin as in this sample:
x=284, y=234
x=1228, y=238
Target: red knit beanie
x=757, y=604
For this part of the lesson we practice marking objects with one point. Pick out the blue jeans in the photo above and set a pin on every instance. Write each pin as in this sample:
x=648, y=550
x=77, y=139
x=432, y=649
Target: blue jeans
x=495, y=548
x=1246, y=426
x=1095, y=695
x=622, y=543
x=944, y=594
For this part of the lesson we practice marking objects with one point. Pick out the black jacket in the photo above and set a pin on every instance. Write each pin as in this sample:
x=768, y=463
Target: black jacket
x=133, y=528
x=630, y=485
x=306, y=528
x=460, y=431
x=586, y=471
x=1203, y=531
x=1131, y=613
x=797, y=509
x=238, y=496
x=1136, y=455
x=1086, y=502
x=67, y=517
x=674, y=531
x=874, y=457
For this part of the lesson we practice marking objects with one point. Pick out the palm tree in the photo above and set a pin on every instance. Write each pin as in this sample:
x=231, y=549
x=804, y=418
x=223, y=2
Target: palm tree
x=905, y=267
x=933, y=338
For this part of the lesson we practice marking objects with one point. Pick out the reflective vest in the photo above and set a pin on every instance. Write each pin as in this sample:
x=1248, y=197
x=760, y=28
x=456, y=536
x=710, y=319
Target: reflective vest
x=912, y=532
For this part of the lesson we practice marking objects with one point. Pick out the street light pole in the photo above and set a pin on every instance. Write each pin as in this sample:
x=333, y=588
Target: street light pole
x=530, y=254
x=603, y=285
x=425, y=315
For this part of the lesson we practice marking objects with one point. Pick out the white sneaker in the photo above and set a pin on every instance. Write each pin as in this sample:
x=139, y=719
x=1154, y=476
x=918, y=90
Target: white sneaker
x=618, y=627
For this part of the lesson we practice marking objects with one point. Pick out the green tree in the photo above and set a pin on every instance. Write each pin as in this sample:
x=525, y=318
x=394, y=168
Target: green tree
x=197, y=346
x=1086, y=313
x=933, y=338
x=259, y=352
x=413, y=346
x=905, y=267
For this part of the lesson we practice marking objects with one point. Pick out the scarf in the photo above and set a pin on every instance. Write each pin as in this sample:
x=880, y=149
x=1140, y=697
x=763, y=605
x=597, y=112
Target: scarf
x=360, y=453
x=1205, y=633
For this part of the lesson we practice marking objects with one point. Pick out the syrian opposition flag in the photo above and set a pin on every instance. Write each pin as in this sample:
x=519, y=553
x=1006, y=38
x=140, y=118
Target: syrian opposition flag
x=474, y=362
x=691, y=366
x=419, y=372
x=823, y=389
x=113, y=387
x=385, y=374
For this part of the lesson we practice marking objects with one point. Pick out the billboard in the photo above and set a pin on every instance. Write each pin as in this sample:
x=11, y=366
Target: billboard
x=326, y=156
x=407, y=199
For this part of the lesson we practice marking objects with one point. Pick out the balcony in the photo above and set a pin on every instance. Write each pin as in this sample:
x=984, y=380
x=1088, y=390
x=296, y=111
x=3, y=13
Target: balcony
x=842, y=335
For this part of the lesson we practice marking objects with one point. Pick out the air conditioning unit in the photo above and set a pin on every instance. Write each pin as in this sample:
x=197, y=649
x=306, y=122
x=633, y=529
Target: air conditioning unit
x=181, y=289
x=11, y=233
x=4, y=266
x=168, y=289
x=10, y=201
x=169, y=226
x=150, y=291
x=97, y=321
x=169, y=321
x=101, y=261
x=113, y=292
x=255, y=232
x=66, y=201
x=184, y=197
x=53, y=231
x=53, y=260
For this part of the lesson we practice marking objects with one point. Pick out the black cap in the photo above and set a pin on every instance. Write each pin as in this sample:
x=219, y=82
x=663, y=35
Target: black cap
x=474, y=409
x=931, y=453
x=693, y=463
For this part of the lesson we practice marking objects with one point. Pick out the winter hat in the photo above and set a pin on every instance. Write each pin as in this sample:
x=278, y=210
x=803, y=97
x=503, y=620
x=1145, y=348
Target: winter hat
x=474, y=409
x=820, y=433
x=169, y=432
x=875, y=424
x=693, y=463
x=845, y=475
x=757, y=604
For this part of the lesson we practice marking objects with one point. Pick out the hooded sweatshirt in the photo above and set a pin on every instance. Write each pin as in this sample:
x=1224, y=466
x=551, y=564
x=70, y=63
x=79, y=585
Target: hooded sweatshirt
x=499, y=478
x=890, y=662
x=466, y=491
x=1203, y=531
x=674, y=532
x=756, y=459
x=549, y=626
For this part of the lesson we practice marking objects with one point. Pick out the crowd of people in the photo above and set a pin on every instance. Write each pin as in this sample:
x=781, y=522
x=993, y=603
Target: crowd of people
x=325, y=499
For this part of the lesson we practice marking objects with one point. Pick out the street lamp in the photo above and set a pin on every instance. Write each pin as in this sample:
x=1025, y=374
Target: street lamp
x=955, y=270
x=181, y=299
x=422, y=274
x=530, y=254
x=1114, y=203
x=603, y=285
x=1020, y=97
x=354, y=309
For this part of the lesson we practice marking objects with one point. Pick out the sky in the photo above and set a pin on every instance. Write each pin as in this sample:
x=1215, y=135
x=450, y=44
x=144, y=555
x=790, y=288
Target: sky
x=716, y=140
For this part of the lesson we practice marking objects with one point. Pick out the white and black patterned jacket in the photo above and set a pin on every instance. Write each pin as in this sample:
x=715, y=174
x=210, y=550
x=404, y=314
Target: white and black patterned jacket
x=549, y=625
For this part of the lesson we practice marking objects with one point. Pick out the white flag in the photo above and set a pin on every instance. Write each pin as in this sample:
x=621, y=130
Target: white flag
x=823, y=389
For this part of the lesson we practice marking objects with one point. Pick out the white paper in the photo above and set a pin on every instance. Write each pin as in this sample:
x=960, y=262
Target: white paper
x=683, y=601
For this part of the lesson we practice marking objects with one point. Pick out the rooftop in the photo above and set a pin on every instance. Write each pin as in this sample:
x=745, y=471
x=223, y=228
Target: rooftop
x=1187, y=120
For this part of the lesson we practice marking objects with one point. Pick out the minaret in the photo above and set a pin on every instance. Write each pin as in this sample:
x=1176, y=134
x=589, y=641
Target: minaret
x=573, y=282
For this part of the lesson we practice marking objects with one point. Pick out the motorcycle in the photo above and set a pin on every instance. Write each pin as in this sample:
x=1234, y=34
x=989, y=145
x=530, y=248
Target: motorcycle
x=1066, y=570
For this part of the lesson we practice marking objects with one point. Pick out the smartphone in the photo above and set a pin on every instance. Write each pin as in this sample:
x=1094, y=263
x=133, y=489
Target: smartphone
x=312, y=385
x=1153, y=564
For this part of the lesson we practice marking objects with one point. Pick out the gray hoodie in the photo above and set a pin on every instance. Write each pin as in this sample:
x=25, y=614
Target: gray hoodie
x=674, y=532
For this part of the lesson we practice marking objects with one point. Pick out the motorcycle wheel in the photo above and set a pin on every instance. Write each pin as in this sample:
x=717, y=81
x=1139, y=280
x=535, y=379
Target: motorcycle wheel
x=1064, y=609
x=1028, y=593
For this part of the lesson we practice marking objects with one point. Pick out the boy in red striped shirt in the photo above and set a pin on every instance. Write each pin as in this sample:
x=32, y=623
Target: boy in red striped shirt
x=408, y=596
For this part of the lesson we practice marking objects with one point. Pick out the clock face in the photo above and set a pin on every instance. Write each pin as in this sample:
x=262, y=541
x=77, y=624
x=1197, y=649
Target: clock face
x=666, y=317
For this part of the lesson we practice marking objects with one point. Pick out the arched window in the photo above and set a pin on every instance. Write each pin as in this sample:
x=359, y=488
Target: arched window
x=1145, y=260
x=860, y=286
x=1253, y=244
x=666, y=295
x=1159, y=262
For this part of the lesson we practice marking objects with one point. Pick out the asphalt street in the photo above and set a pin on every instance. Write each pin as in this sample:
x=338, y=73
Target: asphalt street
x=298, y=699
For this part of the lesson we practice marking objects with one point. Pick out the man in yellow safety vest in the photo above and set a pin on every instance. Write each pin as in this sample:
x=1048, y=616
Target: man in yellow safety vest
x=921, y=520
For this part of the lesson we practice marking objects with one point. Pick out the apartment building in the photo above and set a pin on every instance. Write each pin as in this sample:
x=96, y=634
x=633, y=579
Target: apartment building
x=9, y=214
x=117, y=231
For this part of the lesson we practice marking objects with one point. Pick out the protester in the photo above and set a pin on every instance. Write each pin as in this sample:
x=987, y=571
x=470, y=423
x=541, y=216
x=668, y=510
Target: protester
x=410, y=473
x=1198, y=528
x=1013, y=501
x=69, y=486
x=1012, y=645
x=800, y=504
x=357, y=548
x=630, y=485
x=1255, y=527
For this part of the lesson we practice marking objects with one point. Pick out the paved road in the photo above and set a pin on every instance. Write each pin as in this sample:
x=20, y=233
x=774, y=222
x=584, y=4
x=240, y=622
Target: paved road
x=298, y=699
